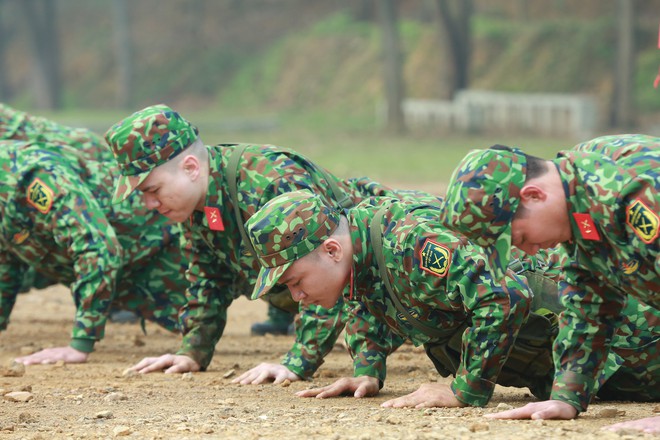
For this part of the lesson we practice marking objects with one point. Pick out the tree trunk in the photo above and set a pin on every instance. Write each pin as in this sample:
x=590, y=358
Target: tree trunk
x=392, y=64
x=455, y=34
x=4, y=37
x=124, y=54
x=42, y=22
x=622, y=111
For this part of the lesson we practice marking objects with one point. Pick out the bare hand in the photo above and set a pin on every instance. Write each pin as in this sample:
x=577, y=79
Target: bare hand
x=362, y=386
x=548, y=409
x=649, y=424
x=68, y=355
x=170, y=363
x=264, y=372
x=428, y=395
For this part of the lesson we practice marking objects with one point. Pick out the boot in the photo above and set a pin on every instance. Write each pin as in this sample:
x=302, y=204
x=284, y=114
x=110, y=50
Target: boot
x=277, y=323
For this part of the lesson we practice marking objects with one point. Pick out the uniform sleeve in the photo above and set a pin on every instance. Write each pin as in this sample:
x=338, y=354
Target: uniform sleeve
x=370, y=342
x=593, y=308
x=79, y=225
x=316, y=333
x=203, y=317
x=11, y=275
x=585, y=332
x=497, y=310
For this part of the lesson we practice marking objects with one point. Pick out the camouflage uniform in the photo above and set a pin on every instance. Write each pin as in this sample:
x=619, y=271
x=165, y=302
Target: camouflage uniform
x=56, y=215
x=613, y=204
x=221, y=267
x=441, y=280
x=21, y=126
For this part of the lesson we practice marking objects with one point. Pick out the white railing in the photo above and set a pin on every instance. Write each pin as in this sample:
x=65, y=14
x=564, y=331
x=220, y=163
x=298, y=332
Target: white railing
x=475, y=111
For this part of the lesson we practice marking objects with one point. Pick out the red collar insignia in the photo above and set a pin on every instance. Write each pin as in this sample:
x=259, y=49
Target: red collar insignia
x=213, y=218
x=587, y=227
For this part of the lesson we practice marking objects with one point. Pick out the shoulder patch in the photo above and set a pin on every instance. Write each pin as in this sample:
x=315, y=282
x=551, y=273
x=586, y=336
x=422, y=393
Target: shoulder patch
x=643, y=221
x=40, y=196
x=435, y=258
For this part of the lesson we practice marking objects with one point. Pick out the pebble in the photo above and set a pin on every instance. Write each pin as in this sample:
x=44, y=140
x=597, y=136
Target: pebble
x=19, y=396
x=610, y=412
x=104, y=415
x=15, y=369
x=129, y=373
x=120, y=431
x=115, y=397
x=479, y=427
x=187, y=376
x=229, y=373
x=285, y=383
x=503, y=407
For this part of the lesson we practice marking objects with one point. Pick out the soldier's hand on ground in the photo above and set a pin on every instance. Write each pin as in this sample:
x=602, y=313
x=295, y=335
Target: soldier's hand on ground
x=68, y=355
x=548, y=409
x=649, y=424
x=428, y=395
x=265, y=372
x=168, y=363
x=362, y=386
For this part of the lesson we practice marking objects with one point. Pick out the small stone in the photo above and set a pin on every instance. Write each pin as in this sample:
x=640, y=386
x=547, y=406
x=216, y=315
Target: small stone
x=138, y=342
x=104, y=415
x=129, y=372
x=15, y=369
x=25, y=417
x=610, y=412
x=59, y=364
x=229, y=373
x=187, y=376
x=120, y=431
x=503, y=407
x=285, y=383
x=656, y=409
x=479, y=427
x=115, y=397
x=19, y=396
x=392, y=420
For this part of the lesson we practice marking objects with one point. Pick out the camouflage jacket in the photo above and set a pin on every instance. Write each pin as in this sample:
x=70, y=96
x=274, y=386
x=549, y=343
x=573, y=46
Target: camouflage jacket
x=56, y=215
x=613, y=207
x=21, y=126
x=442, y=280
x=222, y=269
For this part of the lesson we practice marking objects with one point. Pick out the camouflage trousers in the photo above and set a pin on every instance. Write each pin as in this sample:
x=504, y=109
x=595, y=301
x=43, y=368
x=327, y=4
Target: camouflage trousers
x=155, y=288
x=529, y=364
x=631, y=372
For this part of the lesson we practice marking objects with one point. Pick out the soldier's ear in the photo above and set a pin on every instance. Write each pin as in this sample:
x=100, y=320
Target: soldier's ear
x=191, y=166
x=333, y=249
x=532, y=193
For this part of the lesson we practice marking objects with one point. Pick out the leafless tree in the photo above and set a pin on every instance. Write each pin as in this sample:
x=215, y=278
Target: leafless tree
x=622, y=113
x=454, y=32
x=124, y=53
x=41, y=16
x=393, y=65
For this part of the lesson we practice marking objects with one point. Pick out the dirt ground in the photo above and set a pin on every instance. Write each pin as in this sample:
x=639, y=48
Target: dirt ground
x=94, y=400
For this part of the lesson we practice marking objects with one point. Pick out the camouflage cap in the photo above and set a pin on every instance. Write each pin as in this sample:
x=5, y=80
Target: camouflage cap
x=482, y=198
x=144, y=140
x=285, y=229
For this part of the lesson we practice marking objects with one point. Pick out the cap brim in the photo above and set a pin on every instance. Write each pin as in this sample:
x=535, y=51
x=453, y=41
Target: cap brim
x=499, y=254
x=268, y=277
x=126, y=185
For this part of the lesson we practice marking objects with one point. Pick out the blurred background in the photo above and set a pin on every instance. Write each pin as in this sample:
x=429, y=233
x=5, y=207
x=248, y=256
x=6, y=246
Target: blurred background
x=397, y=90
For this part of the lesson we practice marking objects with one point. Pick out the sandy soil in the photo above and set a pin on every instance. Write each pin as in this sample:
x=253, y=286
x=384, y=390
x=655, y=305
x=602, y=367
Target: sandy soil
x=94, y=400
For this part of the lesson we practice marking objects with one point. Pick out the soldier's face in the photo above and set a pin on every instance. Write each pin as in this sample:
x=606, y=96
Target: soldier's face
x=539, y=226
x=170, y=191
x=317, y=279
